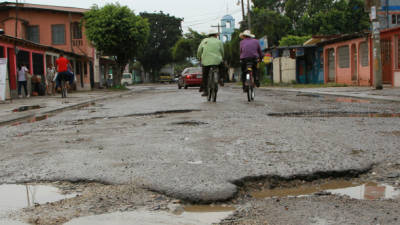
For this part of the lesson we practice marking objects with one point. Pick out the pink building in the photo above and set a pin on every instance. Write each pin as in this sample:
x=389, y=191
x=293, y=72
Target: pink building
x=53, y=26
x=348, y=59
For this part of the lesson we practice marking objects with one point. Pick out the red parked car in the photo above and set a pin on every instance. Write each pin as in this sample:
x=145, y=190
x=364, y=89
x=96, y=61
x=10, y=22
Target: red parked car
x=190, y=77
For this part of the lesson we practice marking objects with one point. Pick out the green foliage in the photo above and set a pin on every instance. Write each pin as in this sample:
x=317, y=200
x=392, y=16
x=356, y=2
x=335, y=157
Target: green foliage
x=293, y=40
x=187, y=46
x=232, y=50
x=280, y=18
x=116, y=31
x=179, y=67
x=165, y=31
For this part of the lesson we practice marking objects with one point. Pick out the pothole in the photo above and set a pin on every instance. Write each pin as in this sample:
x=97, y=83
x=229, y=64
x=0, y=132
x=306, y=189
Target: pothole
x=336, y=114
x=16, y=196
x=26, y=108
x=189, y=123
x=352, y=100
x=366, y=191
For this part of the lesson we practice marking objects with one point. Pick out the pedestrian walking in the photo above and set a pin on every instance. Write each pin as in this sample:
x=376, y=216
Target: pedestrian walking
x=22, y=80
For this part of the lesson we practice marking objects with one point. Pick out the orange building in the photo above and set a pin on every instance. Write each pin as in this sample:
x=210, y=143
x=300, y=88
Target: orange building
x=53, y=26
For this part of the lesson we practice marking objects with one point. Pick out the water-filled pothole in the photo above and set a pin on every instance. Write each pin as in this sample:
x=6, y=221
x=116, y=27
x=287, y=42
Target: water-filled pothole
x=351, y=100
x=26, y=108
x=189, y=123
x=336, y=114
x=367, y=191
x=15, y=196
x=195, y=216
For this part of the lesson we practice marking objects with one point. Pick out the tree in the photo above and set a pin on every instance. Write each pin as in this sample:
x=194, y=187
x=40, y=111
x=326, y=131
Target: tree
x=116, y=31
x=165, y=32
x=232, y=50
x=293, y=40
x=186, y=47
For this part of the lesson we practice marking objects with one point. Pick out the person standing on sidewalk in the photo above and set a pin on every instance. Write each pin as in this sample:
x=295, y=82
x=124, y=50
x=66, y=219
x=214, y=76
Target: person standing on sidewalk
x=250, y=52
x=50, y=73
x=22, y=80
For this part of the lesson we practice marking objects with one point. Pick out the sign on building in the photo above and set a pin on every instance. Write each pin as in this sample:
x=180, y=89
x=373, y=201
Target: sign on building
x=264, y=43
x=3, y=79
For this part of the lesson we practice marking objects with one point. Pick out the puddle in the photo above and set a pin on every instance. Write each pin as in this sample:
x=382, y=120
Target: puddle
x=337, y=114
x=189, y=123
x=144, y=217
x=352, y=100
x=368, y=191
x=31, y=120
x=26, y=108
x=14, y=196
x=207, y=208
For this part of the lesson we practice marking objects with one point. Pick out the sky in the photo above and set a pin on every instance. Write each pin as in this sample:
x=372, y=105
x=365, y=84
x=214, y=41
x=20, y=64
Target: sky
x=199, y=15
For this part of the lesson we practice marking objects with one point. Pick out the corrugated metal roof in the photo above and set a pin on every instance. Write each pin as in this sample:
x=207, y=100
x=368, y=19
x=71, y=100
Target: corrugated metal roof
x=44, y=7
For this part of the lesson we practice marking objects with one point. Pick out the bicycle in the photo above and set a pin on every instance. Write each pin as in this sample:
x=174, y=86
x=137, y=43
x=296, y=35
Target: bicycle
x=249, y=83
x=212, y=86
x=63, y=82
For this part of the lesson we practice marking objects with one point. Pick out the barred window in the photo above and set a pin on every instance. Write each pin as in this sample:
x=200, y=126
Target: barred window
x=344, y=56
x=364, y=54
x=1, y=52
x=32, y=33
x=58, y=34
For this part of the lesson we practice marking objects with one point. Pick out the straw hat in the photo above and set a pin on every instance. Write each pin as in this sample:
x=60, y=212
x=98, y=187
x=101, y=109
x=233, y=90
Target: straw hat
x=246, y=33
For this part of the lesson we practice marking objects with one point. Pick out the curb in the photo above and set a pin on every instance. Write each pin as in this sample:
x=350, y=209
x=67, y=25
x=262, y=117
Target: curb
x=61, y=109
x=362, y=96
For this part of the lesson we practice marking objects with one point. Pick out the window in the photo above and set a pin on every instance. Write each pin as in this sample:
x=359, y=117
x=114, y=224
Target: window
x=364, y=54
x=344, y=57
x=76, y=30
x=396, y=19
x=1, y=52
x=58, y=34
x=32, y=33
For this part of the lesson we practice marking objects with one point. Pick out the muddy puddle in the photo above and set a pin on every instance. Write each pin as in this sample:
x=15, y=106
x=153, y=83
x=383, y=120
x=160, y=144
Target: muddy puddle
x=351, y=100
x=14, y=196
x=365, y=191
x=191, y=215
x=26, y=108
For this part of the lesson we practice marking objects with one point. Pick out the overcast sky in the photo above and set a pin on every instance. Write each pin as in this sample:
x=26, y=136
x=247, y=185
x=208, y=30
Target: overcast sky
x=197, y=14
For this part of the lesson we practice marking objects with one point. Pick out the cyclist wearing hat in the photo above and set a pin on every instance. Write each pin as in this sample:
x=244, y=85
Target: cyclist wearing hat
x=250, y=51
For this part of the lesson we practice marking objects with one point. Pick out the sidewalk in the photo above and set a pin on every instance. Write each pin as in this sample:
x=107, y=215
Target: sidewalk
x=51, y=104
x=387, y=94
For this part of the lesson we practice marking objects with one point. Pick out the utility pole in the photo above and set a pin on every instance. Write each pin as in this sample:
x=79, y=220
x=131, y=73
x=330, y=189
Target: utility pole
x=243, y=11
x=376, y=44
x=248, y=15
x=16, y=18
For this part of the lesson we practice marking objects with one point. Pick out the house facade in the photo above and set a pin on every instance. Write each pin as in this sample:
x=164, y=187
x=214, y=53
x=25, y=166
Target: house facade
x=348, y=59
x=56, y=27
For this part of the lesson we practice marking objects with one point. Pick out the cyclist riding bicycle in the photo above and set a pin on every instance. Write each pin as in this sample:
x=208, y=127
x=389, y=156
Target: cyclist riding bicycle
x=210, y=53
x=250, y=52
x=62, y=69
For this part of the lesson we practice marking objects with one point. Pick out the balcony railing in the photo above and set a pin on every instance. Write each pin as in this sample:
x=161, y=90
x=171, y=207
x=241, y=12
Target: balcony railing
x=77, y=42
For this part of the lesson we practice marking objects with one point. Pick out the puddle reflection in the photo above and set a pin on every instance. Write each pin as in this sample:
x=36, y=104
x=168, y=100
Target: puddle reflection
x=352, y=100
x=368, y=191
x=15, y=197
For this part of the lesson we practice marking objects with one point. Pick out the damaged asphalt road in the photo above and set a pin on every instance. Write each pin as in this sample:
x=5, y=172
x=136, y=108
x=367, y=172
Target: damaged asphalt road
x=174, y=142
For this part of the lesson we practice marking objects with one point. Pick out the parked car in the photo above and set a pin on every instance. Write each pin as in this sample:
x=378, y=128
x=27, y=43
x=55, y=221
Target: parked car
x=127, y=79
x=190, y=77
x=166, y=78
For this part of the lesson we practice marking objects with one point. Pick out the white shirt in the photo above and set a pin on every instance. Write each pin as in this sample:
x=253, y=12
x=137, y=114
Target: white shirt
x=21, y=74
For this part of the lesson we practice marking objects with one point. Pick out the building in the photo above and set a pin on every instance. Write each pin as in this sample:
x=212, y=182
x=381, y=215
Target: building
x=50, y=26
x=389, y=14
x=348, y=59
x=227, y=28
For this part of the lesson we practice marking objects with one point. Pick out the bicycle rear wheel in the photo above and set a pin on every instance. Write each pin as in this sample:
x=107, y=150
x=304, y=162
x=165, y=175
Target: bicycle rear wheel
x=64, y=90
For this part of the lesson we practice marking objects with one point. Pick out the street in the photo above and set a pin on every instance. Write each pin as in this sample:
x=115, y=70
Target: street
x=158, y=146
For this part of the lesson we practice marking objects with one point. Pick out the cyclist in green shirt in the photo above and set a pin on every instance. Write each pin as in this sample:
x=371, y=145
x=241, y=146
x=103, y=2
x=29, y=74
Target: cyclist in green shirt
x=210, y=53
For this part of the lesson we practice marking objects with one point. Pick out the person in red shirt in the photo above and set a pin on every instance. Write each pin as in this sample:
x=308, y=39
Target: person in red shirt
x=62, y=69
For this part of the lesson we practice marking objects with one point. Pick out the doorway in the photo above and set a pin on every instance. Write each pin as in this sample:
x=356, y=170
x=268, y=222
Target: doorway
x=331, y=65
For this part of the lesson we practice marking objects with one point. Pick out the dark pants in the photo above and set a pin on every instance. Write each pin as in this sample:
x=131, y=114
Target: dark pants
x=243, y=64
x=66, y=75
x=22, y=83
x=206, y=71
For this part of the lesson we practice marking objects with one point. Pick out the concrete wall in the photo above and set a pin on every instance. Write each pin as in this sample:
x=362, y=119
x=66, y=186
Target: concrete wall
x=284, y=70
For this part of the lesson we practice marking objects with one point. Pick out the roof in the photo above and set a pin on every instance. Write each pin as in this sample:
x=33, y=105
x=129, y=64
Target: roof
x=20, y=42
x=344, y=37
x=228, y=17
x=44, y=7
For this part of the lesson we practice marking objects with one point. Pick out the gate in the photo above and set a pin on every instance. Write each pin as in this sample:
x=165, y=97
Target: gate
x=331, y=65
x=386, y=54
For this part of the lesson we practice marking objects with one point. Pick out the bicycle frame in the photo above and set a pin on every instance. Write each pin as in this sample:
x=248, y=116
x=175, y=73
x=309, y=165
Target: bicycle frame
x=212, y=86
